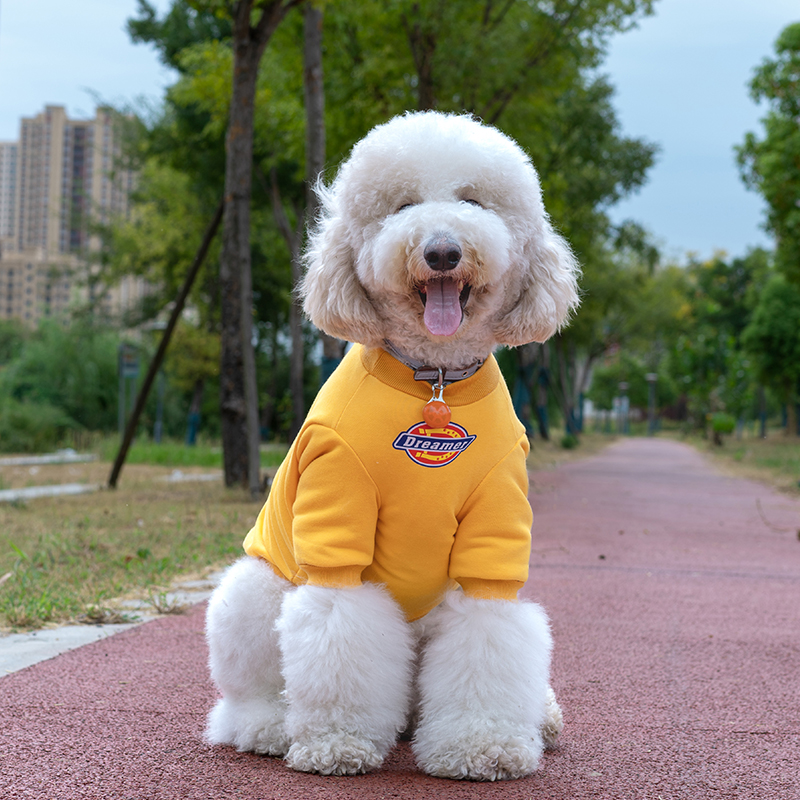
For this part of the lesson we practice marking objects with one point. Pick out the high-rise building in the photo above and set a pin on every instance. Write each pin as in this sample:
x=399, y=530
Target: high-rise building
x=65, y=174
x=8, y=189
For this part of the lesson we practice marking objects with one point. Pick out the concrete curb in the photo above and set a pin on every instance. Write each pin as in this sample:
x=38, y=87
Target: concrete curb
x=21, y=650
x=68, y=456
x=56, y=490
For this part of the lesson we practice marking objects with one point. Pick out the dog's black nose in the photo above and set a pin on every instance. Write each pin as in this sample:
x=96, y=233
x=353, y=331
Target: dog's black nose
x=442, y=254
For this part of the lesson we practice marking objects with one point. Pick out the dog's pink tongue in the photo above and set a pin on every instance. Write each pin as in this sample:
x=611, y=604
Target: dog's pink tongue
x=442, y=308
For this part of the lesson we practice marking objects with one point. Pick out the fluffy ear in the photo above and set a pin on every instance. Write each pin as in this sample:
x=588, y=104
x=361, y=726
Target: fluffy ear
x=549, y=292
x=333, y=297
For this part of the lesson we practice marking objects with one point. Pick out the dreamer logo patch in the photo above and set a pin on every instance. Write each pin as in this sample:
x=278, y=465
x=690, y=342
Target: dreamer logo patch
x=433, y=447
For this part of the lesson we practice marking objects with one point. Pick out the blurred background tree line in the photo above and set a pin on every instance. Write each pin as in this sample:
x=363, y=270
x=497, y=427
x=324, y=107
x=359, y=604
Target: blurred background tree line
x=719, y=340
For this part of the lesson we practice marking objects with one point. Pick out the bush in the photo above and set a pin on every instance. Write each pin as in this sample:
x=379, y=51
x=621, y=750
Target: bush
x=74, y=369
x=570, y=442
x=31, y=427
x=723, y=423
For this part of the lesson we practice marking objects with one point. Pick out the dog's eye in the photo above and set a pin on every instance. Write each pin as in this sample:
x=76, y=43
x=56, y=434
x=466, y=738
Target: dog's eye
x=405, y=205
x=472, y=202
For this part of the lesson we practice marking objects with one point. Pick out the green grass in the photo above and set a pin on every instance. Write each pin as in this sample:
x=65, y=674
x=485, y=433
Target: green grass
x=774, y=460
x=174, y=453
x=775, y=455
x=71, y=558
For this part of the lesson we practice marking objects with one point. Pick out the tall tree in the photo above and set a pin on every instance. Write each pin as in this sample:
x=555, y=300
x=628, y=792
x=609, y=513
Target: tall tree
x=254, y=22
x=183, y=145
x=771, y=164
x=773, y=338
x=314, y=97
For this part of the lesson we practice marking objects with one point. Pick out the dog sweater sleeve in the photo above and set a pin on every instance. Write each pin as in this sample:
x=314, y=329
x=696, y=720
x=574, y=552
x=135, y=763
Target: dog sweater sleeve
x=492, y=547
x=335, y=510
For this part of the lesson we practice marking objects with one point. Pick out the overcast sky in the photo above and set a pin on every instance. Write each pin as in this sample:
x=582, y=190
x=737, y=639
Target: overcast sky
x=681, y=81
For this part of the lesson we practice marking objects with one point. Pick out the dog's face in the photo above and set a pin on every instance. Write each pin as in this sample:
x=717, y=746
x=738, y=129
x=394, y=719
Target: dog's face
x=433, y=235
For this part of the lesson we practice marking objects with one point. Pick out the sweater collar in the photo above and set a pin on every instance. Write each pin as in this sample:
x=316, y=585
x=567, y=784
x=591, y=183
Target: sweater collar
x=389, y=370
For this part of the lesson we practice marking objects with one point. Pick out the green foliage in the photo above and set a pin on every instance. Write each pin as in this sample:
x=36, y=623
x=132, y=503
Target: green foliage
x=722, y=423
x=72, y=369
x=694, y=328
x=623, y=369
x=570, y=441
x=193, y=356
x=158, y=241
x=31, y=427
x=773, y=336
x=167, y=453
x=628, y=301
x=181, y=27
x=65, y=379
x=12, y=338
x=706, y=358
x=770, y=164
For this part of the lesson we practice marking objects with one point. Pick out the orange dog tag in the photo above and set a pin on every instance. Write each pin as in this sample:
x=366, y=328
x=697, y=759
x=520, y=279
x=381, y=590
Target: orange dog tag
x=436, y=414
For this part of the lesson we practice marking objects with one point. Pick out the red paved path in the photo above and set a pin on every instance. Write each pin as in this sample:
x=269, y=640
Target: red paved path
x=676, y=614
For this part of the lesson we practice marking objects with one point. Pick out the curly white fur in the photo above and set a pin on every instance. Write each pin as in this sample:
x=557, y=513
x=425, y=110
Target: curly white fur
x=245, y=660
x=347, y=663
x=416, y=178
x=323, y=676
x=484, y=686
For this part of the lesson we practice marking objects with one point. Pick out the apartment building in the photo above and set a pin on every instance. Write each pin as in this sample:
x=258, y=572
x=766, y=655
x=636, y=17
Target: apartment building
x=61, y=174
x=8, y=189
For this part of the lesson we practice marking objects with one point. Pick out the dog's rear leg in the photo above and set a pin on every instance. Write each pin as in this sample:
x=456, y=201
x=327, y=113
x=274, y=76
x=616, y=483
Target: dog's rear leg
x=347, y=664
x=244, y=657
x=485, y=694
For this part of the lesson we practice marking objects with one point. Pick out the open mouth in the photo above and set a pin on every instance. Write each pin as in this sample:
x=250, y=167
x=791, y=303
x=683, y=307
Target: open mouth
x=444, y=302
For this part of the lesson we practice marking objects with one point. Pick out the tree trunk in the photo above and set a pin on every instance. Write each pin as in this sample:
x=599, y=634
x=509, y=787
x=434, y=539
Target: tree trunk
x=543, y=381
x=522, y=393
x=791, y=415
x=314, y=88
x=155, y=364
x=314, y=96
x=422, y=40
x=314, y=92
x=237, y=364
x=567, y=406
x=238, y=392
x=194, y=411
x=296, y=362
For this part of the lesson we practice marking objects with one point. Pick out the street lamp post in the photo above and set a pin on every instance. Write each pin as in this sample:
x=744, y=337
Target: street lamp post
x=624, y=407
x=651, y=403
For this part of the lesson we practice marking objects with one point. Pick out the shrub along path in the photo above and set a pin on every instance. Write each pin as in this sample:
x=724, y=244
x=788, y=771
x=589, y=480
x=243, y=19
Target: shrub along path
x=675, y=614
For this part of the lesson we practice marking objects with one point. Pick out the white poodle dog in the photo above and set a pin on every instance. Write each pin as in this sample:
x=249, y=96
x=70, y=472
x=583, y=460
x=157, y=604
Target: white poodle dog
x=379, y=589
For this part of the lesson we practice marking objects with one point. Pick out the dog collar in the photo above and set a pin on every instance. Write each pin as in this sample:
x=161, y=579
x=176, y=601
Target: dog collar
x=436, y=413
x=433, y=375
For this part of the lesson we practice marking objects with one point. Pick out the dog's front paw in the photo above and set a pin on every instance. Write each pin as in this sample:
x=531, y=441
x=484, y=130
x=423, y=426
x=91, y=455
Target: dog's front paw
x=334, y=754
x=488, y=759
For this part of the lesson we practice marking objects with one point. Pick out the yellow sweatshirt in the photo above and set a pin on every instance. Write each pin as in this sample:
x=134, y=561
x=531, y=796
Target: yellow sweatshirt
x=368, y=492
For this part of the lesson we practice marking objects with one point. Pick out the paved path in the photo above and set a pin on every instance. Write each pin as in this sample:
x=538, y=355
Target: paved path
x=676, y=614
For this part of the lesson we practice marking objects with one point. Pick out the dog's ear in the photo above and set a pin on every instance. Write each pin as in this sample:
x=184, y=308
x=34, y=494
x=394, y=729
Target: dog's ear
x=333, y=297
x=548, y=293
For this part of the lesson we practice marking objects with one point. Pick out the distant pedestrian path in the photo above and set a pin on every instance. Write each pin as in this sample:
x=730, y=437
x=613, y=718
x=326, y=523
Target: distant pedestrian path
x=675, y=613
